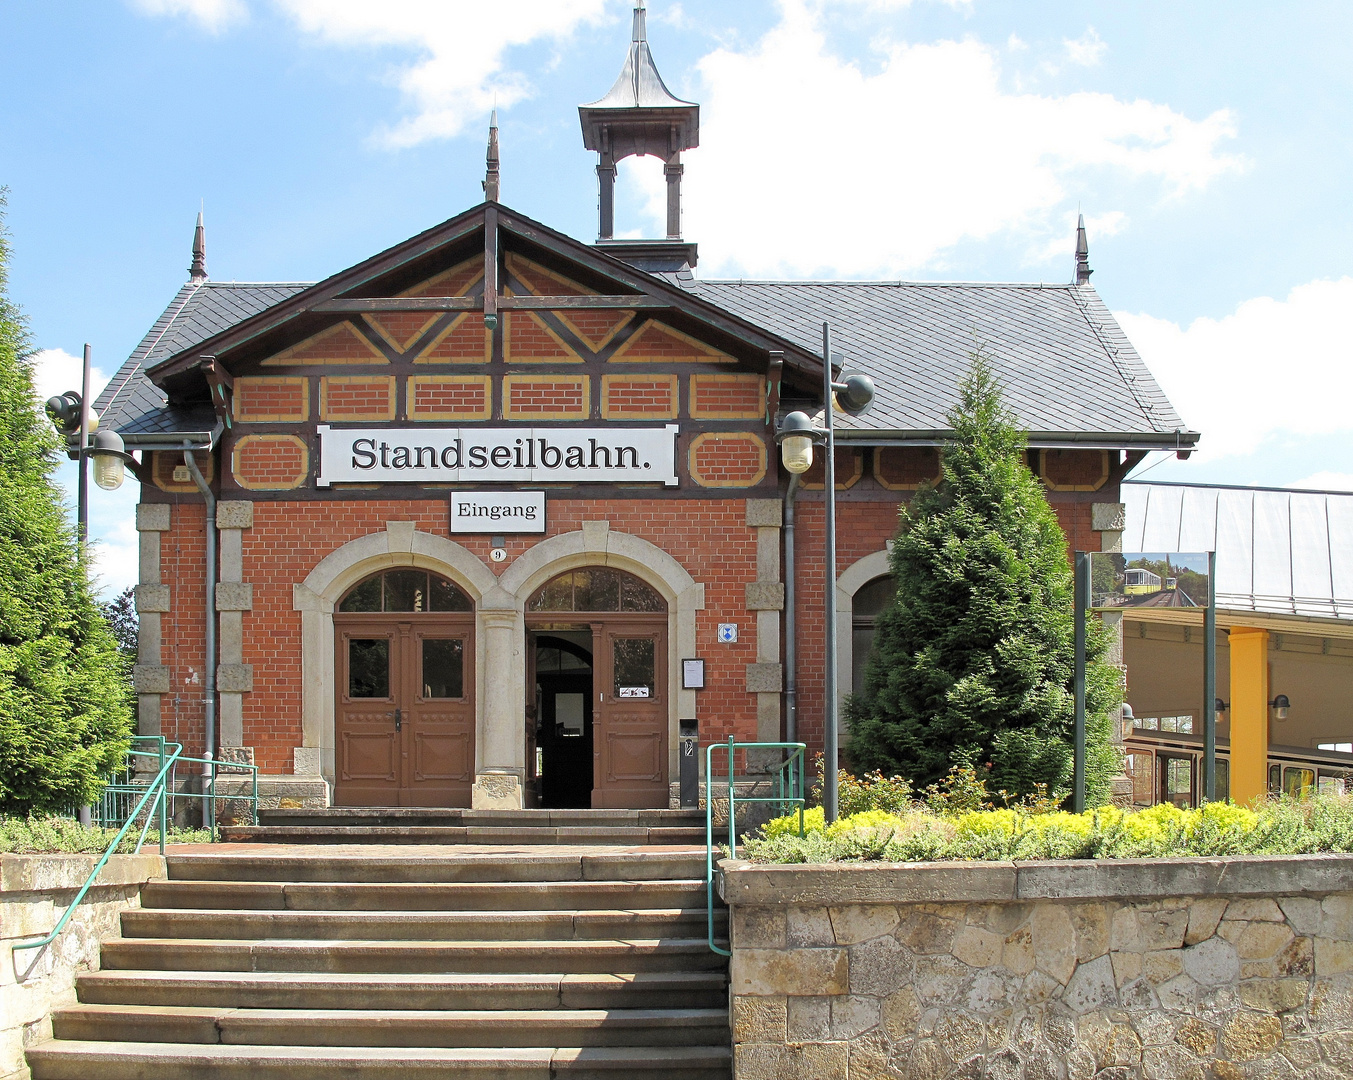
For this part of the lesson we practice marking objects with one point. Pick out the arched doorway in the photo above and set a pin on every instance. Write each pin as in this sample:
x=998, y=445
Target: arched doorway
x=597, y=663
x=404, y=699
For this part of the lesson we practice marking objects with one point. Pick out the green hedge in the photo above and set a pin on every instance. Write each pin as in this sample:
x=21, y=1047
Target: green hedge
x=1284, y=826
x=57, y=835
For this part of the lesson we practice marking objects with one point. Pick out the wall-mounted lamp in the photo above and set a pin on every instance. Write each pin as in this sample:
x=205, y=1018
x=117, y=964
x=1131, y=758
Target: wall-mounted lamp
x=1219, y=707
x=1281, y=706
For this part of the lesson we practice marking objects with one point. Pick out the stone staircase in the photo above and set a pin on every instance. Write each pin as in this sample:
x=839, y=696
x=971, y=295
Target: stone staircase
x=315, y=962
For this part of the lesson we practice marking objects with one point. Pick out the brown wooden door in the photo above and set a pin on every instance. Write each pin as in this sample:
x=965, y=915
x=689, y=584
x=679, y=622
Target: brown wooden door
x=404, y=711
x=629, y=741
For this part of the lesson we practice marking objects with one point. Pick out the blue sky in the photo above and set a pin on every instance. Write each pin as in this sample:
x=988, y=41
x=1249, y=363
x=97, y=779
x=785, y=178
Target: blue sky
x=1206, y=143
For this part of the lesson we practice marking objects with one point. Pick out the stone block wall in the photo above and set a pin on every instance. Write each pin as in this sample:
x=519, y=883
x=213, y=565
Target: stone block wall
x=1226, y=969
x=34, y=892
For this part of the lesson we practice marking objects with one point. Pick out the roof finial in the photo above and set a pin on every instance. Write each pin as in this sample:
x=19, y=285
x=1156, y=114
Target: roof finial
x=1083, y=270
x=640, y=22
x=197, y=272
x=491, y=161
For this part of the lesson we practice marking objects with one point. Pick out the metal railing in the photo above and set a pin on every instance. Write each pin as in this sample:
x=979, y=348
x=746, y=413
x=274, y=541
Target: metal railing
x=790, y=791
x=155, y=803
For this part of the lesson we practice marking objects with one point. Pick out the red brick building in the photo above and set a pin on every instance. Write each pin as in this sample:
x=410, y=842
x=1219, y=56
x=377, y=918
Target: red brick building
x=442, y=528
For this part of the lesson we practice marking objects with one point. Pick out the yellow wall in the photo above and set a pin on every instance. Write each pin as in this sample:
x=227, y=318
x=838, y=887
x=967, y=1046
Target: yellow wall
x=1249, y=714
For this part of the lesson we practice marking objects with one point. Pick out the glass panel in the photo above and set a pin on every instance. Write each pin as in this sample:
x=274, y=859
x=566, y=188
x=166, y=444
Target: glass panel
x=1275, y=783
x=406, y=590
x=443, y=668
x=1298, y=782
x=557, y=595
x=1223, y=775
x=634, y=667
x=636, y=596
x=1178, y=777
x=547, y=660
x=874, y=597
x=1139, y=768
x=365, y=597
x=1332, y=783
x=368, y=667
x=605, y=591
x=446, y=597
x=571, y=661
x=862, y=640
x=582, y=591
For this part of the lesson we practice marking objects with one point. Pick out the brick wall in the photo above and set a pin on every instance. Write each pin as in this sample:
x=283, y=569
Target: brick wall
x=450, y=397
x=357, y=397
x=545, y=397
x=639, y=397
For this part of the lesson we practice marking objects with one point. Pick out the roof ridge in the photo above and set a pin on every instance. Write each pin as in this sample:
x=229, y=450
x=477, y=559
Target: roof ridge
x=1060, y=286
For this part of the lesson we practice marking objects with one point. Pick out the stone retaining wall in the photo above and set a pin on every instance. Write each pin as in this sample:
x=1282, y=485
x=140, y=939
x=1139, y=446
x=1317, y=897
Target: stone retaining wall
x=1216, y=969
x=34, y=892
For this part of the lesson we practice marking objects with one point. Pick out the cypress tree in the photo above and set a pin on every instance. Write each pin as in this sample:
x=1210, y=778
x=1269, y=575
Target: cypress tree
x=973, y=662
x=65, y=706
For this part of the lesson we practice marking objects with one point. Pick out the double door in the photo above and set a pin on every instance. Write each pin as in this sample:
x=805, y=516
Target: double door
x=404, y=710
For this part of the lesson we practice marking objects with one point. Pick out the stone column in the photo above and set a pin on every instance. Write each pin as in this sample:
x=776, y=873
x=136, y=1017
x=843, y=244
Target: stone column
x=766, y=597
x=500, y=751
x=150, y=678
x=234, y=596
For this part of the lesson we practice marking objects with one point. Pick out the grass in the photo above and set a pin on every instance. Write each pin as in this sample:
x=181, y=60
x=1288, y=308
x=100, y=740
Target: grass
x=918, y=832
x=57, y=835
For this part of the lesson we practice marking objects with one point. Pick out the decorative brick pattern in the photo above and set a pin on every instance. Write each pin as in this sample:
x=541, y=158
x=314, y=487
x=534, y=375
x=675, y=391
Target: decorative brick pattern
x=465, y=341
x=716, y=396
x=733, y=460
x=401, y=328
x=450, y=397
x=849, y=469
x=271, y=399
x=340, y=344
x=596, y=328
x=1074, y=470
x=166, y=461
x=270, y=462
x=528, y=340
x=357, y=397
x=906, y=468
x=656, y=342
x=458, y=281
x=545, y=397
x=639, y=397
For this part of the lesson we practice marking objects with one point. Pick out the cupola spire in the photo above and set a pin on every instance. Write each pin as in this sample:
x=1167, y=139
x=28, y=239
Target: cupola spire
x=640, y=116
x=491, y=161
x=1083, y=270
x=197, y=272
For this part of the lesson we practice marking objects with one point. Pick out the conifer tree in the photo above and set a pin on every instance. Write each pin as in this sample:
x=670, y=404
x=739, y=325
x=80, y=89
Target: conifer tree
x=65, y=710
x=973, y=662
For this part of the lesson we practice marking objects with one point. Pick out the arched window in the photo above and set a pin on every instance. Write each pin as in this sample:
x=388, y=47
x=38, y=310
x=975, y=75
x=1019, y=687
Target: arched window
x=405, y=590
x=597, y=588
x=868, y=602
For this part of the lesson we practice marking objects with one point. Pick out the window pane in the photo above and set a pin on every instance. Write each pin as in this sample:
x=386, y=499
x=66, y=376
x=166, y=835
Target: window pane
x=547, y=660
x=1223, y=775
x=605, y=590
x=368, y=667
x=1275, y=783
x=446, y=597
x=571, y=661
x=1140, y=767
x=443, y=668
x=634, y=667
x=862, y=640
x=636, y=596
x=874, y=597
x=1178, y=780
x=406, y=590
x=365, y=597
x=582, y=591
x=557, y=595
x=1298, y=782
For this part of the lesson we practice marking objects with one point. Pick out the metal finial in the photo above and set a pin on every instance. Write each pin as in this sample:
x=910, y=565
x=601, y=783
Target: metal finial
x=640, y=22
x=197, y=272
x=491, y=177
x=1083, y=270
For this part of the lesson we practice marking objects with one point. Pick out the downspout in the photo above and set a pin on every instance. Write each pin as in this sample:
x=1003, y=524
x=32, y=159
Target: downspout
x=209, y=680
x=791, y=629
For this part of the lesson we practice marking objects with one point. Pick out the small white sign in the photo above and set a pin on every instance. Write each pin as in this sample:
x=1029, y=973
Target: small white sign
x=498, y=512
x=633, y=691
x=728, y=632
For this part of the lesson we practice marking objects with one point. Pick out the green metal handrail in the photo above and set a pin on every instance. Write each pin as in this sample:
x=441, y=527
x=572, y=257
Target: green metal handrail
x=790, y=791
x=156, y=788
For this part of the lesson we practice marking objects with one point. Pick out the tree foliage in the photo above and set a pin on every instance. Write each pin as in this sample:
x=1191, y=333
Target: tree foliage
x=973, y=662
x=65, y=706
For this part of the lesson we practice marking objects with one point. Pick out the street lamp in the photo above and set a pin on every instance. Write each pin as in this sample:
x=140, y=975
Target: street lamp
x=797, y=436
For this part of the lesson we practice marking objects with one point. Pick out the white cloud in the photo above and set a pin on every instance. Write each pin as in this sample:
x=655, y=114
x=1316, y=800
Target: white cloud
x=1326, y=481
x=1097, y=227
x=214, y=15
x=1272, y=367
x=55, y=371
x=1086, y=50
x=839, y=170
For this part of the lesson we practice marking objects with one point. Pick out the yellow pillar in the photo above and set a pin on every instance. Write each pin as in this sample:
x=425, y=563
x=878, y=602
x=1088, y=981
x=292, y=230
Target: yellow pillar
x=1249, y=714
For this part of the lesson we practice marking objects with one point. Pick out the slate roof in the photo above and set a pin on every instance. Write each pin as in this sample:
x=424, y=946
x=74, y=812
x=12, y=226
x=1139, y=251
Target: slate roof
x=131, y=403
x=1069, y=372
x=1279, y=552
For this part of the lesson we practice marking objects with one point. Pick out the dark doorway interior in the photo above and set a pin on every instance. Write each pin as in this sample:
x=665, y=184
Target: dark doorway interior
x=564, y=738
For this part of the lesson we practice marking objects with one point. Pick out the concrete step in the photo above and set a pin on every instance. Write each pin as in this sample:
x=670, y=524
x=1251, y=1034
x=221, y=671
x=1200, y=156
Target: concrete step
x=207, y=954
x=393, y=1027
x=325, y=990
x=453, y=816
x=82, y=1060
x=228, y=924
x=436, y=867
x=352, y=896
x=626, y=835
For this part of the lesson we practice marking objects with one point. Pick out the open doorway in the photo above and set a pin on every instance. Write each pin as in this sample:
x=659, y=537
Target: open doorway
x=563, y=667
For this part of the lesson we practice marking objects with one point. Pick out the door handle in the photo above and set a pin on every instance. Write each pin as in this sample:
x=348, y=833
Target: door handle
x=399, y=717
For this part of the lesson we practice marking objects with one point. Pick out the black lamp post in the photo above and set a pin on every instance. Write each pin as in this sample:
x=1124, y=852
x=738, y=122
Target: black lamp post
x=797, y=436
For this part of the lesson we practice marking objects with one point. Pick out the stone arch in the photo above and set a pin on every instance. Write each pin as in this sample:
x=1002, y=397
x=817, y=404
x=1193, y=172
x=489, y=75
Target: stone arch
x=401, y=544
x=855, y=577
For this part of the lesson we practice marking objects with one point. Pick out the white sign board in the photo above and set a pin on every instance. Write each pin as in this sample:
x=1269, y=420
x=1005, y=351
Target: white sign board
x=472, y=455
x=498, y=512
